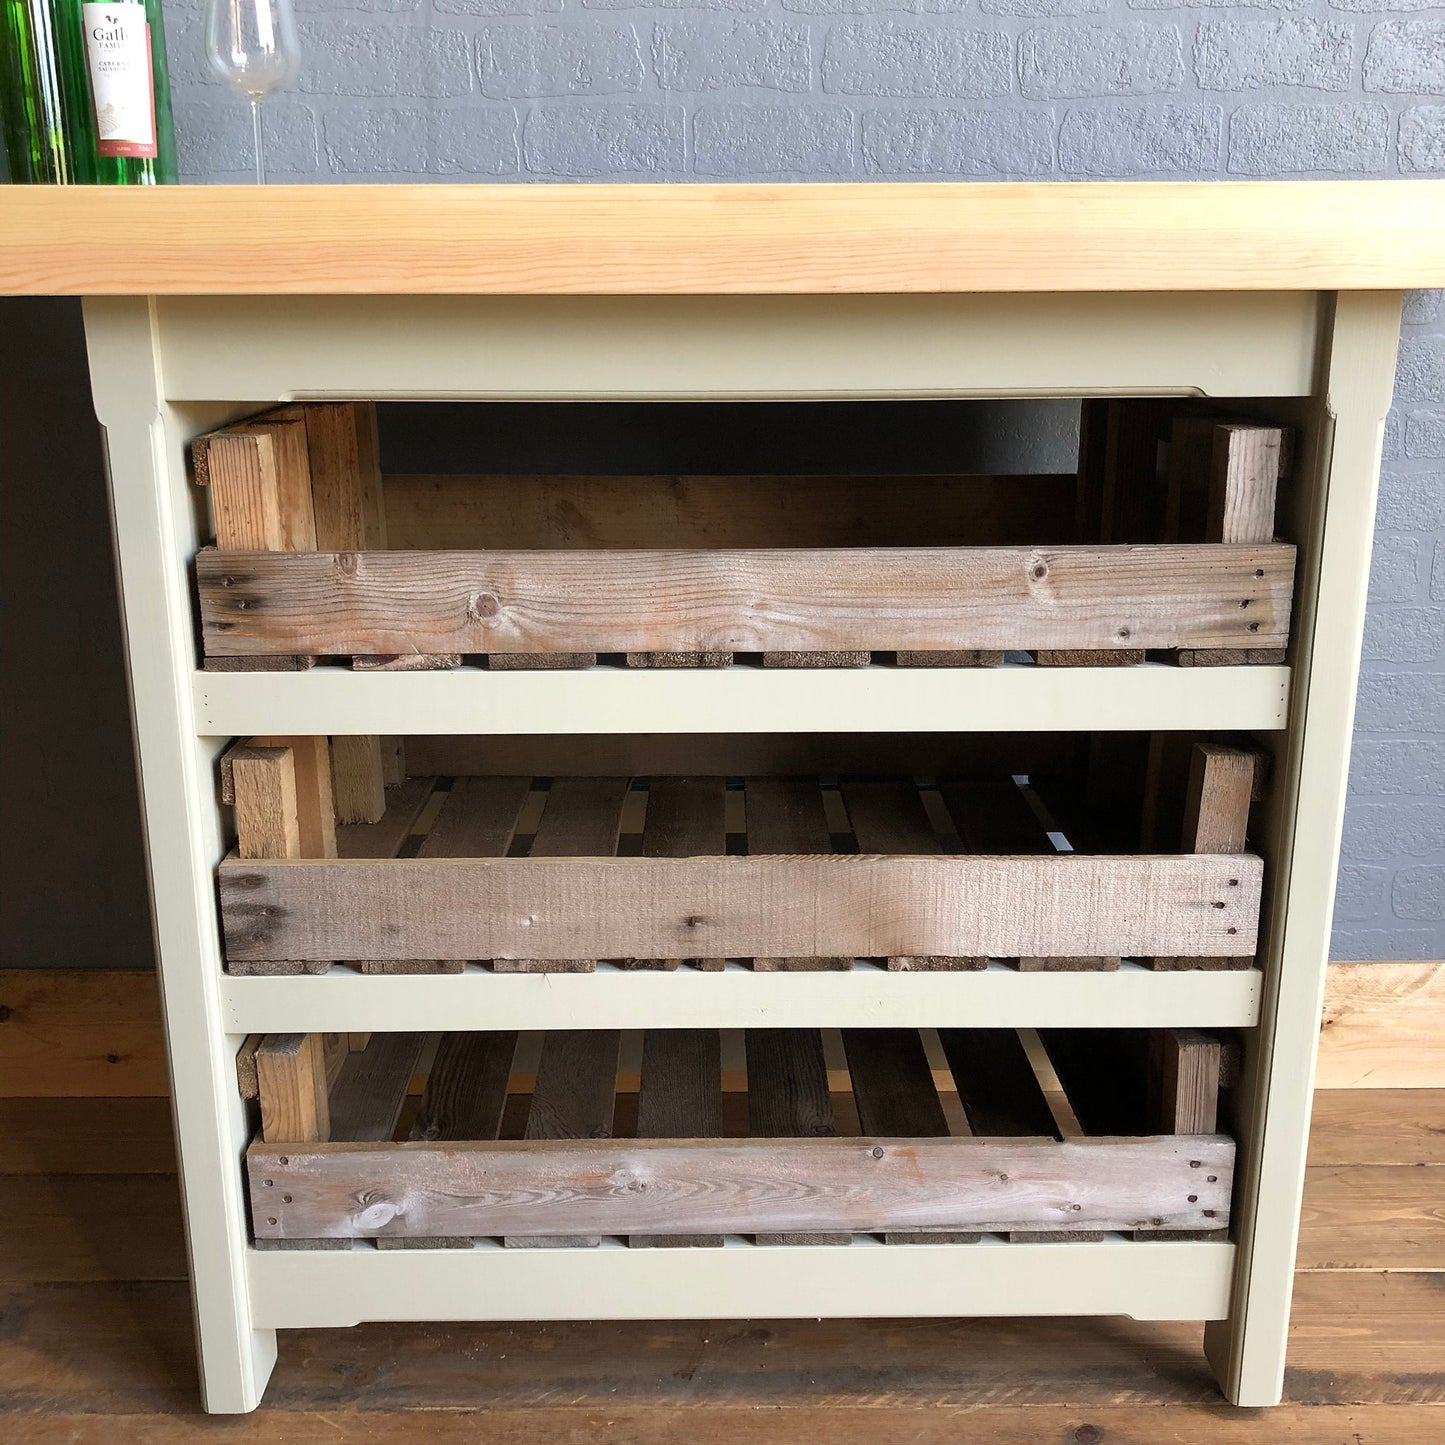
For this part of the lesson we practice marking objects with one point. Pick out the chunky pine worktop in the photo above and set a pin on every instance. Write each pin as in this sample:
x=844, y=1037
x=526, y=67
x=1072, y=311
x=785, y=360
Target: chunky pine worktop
x=716, y=239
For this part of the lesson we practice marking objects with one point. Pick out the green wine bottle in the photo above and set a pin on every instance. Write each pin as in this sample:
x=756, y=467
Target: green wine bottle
x=112, y=63
x=32, y=114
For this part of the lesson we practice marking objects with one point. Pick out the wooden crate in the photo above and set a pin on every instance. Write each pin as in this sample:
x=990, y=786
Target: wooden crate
x=1163, y=543
x=682, y=1137
x=560, y=874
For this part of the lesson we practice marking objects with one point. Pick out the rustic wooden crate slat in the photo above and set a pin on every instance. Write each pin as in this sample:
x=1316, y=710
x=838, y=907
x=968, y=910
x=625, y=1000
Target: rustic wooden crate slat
x=315, y=803
x=346, y=483
x=315, y=808
x=743, y=755
x=582, y=817
x=382, y=838
x=263, y=786
x=777, y=601
x=1104, y=1073
x=511, y=909
x=679, y=659
x=995, y=817
x=1130, y=500
x=466, y=1091
x=572, y=1100
x=408, y=662
x=287, y=662
x=785, y=817
x=992, y=816
x=1216, y=801
x=816, y=657
x=996, y=1084
x=788, y=1098
x=476, y=820
x=540, y=661
x=1230, y=657
x=960, y=657
x=368, y=1095
x=680, y=1097
x=888, y=816
x=259, y=479
x=291, y=1084
x=1223, y=485
x=685, y=818
x=894, y=1091
x=661, y=510
x=358, y=779
x=466, y=1087
x=529, y=1191
x=1088, y=657
x=393, y=761
x=1185, y=1073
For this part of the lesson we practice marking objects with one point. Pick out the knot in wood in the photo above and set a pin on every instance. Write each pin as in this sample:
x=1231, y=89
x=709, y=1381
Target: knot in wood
x=483, y=606
x=374, y=1211
x=347, y=563
x=877, y=1152
x=696, y=921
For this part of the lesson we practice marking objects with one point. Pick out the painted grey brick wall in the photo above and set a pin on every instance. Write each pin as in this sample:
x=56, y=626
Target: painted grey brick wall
x=673, y=90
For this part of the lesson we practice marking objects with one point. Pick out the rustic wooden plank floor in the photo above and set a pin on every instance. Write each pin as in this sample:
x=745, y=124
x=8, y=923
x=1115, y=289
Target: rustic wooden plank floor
x=95, y=1337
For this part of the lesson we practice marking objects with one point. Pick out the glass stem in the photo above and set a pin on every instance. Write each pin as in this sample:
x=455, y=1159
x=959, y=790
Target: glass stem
x=260, y=143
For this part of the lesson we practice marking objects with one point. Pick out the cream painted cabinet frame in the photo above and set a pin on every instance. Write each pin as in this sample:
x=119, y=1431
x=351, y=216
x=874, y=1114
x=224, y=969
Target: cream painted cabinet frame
x=172, y=353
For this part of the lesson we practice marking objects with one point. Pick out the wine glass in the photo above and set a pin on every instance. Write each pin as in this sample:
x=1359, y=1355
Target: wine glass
x=252, y=46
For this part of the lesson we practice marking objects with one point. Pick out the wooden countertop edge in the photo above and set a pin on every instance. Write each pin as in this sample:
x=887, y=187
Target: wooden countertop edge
x=722, y=239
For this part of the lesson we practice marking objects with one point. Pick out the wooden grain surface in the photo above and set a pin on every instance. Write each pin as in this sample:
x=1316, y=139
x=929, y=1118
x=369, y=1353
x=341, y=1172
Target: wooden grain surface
x=680, y=1097
x=701, y=239
x=66, y=1032
x=1383, y=1027
x=71, y=1227
x=1380, y=1216
x=594, y=1186
x=760, y=1425
x=121, y=1348
x=86, y=1136
x=750, y=755
x=845, y=905
x=662, y=510
x=1378, y=1126
x=466, y=1087
x=762, y=600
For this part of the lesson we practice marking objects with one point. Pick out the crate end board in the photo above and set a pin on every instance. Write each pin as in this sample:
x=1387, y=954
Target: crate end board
x=768, y=600
x=865, y=906
x=663, y=1186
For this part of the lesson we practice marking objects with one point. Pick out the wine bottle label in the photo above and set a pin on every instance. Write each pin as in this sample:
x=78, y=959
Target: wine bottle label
x=118, y=51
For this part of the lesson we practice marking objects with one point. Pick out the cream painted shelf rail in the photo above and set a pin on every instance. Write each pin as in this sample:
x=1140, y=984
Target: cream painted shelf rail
x=998, y=997
x=612, y=699
x=1280, y=301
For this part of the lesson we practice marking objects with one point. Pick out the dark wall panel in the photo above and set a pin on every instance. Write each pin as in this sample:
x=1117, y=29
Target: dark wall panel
x=72, y=879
